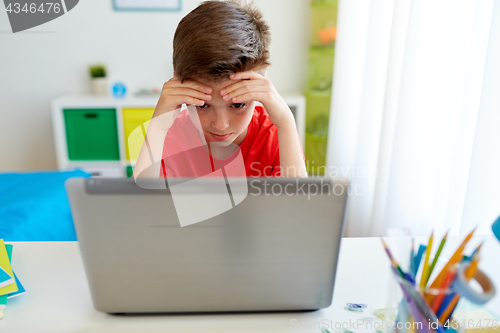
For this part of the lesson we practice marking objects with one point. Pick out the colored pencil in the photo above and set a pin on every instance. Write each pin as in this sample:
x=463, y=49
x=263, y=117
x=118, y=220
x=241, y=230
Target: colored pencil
x=447, y=281
x=476, y=250
x=444, y=304
x=418, y=258
x=471, y=274
x=393, y=261
x=412, y=257
x=448, y=298
x=425, y=270
x=451, y=263
x=441, y=245
x=470, y=271
x=447, y=311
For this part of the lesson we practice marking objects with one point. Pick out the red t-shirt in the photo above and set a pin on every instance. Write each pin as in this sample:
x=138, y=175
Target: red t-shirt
x=185, y=155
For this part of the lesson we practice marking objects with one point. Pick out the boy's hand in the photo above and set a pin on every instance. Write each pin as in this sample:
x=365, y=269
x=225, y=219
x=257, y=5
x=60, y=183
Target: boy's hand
x=256, y=87
x=174, y=94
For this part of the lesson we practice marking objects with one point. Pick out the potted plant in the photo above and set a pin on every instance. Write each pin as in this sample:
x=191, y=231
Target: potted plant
x=99, y=80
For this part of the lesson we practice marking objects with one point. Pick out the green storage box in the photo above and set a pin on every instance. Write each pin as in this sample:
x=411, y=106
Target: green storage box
x=129, y=171
x=324, y=22
x=91, y=134
x=320, y=71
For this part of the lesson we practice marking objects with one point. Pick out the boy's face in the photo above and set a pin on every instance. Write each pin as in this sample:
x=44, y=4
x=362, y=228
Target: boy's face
x=224, y=121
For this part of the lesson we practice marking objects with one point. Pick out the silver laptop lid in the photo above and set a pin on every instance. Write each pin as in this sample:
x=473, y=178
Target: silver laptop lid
x=275, y=249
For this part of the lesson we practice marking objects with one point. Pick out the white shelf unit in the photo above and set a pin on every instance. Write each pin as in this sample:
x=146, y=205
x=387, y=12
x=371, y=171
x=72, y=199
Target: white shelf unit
x=117, y=168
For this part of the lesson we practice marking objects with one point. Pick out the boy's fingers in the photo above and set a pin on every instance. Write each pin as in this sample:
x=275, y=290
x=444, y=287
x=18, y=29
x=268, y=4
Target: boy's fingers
x=248, y=75
x=182, y=99
x=190, y=92
x=196, y=85
x=175, y=83
x=241, y=84
x=245, y=90
x=249, y=96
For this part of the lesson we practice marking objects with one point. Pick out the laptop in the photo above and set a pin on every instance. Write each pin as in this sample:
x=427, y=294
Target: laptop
x=274, y=249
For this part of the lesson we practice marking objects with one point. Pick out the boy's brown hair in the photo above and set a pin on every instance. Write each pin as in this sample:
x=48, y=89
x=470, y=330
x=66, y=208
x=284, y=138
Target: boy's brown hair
x=220, y=38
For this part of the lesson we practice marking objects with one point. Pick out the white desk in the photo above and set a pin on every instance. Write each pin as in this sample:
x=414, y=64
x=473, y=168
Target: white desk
x=58, y=299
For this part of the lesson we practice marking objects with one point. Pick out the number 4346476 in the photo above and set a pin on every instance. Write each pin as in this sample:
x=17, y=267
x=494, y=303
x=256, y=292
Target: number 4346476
x=48, y=7
x=471, y=324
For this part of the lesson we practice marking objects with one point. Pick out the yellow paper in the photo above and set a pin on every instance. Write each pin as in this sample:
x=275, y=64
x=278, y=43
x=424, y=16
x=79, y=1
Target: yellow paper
x=480, y=320
x=5, y=264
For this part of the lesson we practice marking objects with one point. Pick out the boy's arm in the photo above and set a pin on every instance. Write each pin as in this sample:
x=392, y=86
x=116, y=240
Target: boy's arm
x=256, y=87
x=149, y=160
x=291, y=158
x=173, y=95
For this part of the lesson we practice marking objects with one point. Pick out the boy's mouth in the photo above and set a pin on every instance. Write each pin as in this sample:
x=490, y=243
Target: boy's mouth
x=220, y=137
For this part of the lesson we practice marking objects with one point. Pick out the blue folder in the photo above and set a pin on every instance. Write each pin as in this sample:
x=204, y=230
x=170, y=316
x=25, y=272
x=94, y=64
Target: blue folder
x=34, y=206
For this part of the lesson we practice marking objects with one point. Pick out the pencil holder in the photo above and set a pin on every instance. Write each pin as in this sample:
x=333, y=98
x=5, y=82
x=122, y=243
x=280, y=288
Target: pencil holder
x=428, y=304
x=419, y=309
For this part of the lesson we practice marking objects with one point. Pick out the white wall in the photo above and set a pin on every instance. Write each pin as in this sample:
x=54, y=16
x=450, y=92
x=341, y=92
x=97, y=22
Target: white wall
x=51, y=60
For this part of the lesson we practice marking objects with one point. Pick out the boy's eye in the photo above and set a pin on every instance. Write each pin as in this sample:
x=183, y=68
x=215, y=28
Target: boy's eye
x=204, y=106
x=238, y=105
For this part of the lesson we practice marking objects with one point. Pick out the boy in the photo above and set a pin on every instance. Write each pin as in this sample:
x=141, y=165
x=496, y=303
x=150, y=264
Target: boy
x=219, y=56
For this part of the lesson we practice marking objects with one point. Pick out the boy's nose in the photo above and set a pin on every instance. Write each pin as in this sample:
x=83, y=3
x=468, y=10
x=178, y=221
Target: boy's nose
x=220, y=122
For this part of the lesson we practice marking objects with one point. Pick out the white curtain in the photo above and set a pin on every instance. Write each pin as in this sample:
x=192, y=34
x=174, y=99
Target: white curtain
x=415, y=118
